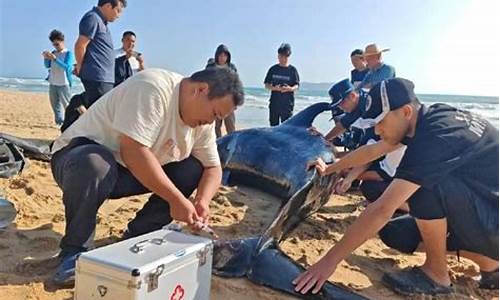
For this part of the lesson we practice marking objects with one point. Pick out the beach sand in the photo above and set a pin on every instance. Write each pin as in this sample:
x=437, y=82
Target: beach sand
x=28, y=245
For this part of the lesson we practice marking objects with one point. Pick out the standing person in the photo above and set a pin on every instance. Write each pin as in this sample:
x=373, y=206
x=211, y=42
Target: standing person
x=60, y=64
x=448, y=175
x=128, y=61
x=153, y=133
x=282, y=80
x=222, y=59
x=95, y=56
x=378, y=70
x=360, y=70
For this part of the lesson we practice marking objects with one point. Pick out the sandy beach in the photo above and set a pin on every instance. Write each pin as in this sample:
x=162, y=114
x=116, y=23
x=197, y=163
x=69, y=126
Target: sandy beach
x=28, y=245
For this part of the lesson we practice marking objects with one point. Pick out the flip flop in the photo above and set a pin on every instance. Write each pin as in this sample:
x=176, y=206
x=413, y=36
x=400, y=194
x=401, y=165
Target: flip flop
x=489, y=280
x=412, y=281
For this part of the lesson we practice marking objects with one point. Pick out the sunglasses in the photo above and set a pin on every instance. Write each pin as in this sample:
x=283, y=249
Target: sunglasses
x=56, y=44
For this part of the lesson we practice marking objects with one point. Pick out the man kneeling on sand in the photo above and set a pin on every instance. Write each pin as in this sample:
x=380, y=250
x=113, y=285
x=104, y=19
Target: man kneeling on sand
x=448, y=174
x=153, y=133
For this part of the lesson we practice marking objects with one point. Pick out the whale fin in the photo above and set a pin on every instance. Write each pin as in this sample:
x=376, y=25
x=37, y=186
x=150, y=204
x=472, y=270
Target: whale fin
x=307, y=116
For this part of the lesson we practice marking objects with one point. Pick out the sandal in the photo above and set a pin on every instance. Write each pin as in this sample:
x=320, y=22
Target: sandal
x=414, y=281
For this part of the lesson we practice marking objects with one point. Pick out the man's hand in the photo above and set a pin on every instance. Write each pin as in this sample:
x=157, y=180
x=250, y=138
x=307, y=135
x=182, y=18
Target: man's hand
x=76, y=70
x=343, y=186
x=202, y=209
x=320, y=166
x=312, y=130
x=183, y=210
x=316, y=276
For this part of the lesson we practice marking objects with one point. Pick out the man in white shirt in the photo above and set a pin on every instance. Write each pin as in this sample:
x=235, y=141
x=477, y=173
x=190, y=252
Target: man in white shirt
x=127, y=61
x=153, y=133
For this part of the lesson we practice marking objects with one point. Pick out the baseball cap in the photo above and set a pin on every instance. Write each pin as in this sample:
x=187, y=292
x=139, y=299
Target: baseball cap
x=385, y=96
x=340, y=90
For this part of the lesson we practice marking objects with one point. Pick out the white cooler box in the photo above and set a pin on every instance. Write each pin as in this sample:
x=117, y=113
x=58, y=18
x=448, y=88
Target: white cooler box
x=161, y=265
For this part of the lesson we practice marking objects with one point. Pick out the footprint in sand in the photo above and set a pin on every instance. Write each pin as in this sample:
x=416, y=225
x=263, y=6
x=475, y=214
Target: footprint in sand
x=21, y=184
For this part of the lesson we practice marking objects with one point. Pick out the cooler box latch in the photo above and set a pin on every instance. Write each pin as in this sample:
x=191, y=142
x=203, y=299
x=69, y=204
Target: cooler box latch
x=153, y=278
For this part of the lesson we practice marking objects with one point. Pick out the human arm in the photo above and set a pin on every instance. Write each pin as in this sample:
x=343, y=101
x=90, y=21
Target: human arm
x=345, y=184
x=140, y=60
x=361, y=156
x=273, y=88
x=68, y=62
x=335, y=132
x=80, y=48
x=146, y=168
x=371, y=220
x=208, y=186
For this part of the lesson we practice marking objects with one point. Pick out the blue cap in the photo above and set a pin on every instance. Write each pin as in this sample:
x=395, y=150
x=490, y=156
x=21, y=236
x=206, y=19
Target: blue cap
x=340, y=90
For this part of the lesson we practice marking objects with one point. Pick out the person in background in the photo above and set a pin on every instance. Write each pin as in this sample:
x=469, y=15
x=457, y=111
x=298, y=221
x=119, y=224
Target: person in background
x=60, y=64
x=378, y=70
x=360, y=70
x=282, y=80
x=128, y=61
x=94, y=51
x=222, y=59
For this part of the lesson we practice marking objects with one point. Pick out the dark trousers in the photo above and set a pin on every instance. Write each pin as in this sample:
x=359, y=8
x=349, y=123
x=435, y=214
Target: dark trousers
x=279, y=111
x=95, y=89
x=88, y=174
x=472, y=219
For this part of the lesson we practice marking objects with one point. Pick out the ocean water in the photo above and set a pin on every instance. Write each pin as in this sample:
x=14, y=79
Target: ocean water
x=254, y=113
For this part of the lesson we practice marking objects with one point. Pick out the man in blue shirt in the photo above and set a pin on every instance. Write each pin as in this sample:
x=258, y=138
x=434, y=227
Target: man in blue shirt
x=351, y=101
x=95, y=57
x=378, y=69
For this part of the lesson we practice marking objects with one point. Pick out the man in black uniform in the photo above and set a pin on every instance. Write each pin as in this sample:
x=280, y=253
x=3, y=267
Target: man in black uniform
x=449, y=176
x=282, y=80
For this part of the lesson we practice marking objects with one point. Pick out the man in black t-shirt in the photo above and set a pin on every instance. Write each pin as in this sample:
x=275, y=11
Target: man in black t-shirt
x=282, y=80
x=448, y=175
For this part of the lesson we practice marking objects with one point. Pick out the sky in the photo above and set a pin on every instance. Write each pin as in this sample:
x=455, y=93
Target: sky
x=444, y=47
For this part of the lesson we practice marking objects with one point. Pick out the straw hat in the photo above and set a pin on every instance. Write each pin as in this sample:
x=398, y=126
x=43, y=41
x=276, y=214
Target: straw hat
x=373, y=49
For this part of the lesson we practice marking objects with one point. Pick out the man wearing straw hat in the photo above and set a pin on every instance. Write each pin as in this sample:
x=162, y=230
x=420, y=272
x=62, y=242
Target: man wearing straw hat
x=378, y=69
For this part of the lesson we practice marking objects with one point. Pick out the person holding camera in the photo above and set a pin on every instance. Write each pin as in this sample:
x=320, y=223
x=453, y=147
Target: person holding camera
x=282, y=80
x=60, y=65
x=128, y=61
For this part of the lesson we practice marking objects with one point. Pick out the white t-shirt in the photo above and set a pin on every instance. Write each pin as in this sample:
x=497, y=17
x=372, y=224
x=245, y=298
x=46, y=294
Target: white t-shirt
x=392, y=159
x=57, y=75
x=134, y=63
x=146, y=109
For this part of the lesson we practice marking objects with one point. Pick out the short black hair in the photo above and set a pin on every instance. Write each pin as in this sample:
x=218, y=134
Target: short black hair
x=221, y=82
x=356, y=52
x=113, y=3
x=56, y=35
x=128, y=32
x=285, y=49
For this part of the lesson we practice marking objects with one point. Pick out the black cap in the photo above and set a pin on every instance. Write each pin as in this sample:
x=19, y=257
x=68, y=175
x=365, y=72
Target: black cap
x=285, y=49
x=385, y=96
x=357, y=52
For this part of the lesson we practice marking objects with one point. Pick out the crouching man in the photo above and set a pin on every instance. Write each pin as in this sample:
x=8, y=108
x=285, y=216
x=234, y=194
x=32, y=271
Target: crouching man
x=153, y=133
x=448, y=175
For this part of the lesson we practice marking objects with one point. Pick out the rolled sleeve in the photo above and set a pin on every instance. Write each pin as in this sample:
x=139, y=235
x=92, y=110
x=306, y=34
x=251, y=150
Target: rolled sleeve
x=205, y=147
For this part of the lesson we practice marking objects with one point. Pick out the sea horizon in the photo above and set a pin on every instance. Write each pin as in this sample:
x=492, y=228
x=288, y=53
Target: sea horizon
x=254, y=113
